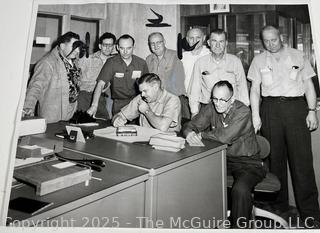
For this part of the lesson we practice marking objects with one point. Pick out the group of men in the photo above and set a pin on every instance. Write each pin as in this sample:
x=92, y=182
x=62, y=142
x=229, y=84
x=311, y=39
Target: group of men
x=282, y=99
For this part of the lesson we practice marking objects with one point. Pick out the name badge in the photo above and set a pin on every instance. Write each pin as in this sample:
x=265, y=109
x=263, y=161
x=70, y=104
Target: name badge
x=136, y=74
x=119, y=75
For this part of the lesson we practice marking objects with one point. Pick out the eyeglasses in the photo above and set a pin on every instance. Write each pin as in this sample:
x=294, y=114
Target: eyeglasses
x=106, y=45
x=153, y=44
x=216, y=100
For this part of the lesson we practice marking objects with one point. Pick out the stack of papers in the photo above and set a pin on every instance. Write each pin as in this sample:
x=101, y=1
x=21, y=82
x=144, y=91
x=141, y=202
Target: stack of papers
x=167, y=142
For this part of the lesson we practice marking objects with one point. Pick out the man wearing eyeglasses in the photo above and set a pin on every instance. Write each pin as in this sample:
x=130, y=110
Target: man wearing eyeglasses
x=228, y=121
x=91, y=68
x=121, y=71
x=165, y=63
x=213, y=67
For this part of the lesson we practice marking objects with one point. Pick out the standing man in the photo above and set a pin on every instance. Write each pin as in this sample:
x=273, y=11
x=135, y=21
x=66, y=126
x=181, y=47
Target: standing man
x=91, y=68
x=229, y=121
x=214, y=67
x=155, y=107
x=165, y=63
x=288, y=114
x=194, y=35
x=121, y=71
x=55, y=82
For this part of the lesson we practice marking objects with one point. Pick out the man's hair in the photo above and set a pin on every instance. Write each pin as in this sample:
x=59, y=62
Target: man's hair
x=219, y=31
x=269, y=27
x=155, y=33
x=195, y=28
x=223, y=83
x=67, y=37
x=107, y=35
x=149, y=78
x=125, y=36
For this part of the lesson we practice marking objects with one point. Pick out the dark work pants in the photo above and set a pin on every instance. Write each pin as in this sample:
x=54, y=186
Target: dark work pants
x=118, y=104
x=84, y=103
x=247, y=173
x=284, y=125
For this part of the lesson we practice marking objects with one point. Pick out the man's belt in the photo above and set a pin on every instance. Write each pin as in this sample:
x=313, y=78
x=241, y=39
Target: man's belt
x=283, y=98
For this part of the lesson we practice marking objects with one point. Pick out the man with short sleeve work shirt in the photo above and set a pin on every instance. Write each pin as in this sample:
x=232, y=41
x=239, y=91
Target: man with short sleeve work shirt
x=121, y=71
x=286, y=117
x=214, y=67
x=156, y=107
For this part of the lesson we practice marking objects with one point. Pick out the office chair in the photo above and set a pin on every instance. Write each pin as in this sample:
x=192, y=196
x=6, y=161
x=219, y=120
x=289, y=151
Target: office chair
x=270, y=184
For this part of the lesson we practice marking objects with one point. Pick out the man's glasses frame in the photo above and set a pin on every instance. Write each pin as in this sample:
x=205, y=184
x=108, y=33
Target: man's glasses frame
x=106, y=45
x=158, y=43
x=216, y=100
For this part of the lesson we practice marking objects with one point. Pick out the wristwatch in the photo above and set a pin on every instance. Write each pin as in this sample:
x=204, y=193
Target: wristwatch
x=312, y=109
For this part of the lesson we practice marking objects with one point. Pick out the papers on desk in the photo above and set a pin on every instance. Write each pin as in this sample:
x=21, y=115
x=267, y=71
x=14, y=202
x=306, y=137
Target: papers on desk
x=196, y=144
x=143, y=134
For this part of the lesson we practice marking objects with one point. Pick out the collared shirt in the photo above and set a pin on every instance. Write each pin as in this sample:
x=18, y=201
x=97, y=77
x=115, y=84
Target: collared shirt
x=166, y=105
x=123, y=77
x=170, y=70
x=283, y=77
x=235, y=129
x=188, y=60
x=91, y=68
x=207, y=72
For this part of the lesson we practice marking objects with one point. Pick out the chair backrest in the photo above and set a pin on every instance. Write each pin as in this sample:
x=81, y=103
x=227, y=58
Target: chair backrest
x=264, y=146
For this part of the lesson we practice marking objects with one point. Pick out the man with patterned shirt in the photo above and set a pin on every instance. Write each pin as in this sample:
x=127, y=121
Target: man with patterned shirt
x=55, y=83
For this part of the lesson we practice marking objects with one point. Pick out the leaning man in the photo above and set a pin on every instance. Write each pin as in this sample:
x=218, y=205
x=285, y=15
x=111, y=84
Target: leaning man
x=229, y=122
x=155, y=107
x=55, y=83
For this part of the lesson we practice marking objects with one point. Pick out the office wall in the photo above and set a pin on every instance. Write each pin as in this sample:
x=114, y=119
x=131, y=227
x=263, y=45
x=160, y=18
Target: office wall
x=131, y=19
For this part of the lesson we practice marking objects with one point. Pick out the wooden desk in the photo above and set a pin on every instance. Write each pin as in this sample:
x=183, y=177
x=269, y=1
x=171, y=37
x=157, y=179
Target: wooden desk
x=114, y=201
x=186, y=186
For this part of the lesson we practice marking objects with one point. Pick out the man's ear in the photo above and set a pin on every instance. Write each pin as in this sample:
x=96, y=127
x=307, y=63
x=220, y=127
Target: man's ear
x=100, y=46
x=208, y=42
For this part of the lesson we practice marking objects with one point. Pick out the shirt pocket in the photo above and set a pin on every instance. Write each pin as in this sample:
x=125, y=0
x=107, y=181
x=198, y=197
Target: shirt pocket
x=266, y=77
x=209, y=80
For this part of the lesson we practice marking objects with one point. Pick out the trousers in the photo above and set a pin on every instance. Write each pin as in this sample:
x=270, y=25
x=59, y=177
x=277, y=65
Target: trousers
x=247, y=173
x=284, y=125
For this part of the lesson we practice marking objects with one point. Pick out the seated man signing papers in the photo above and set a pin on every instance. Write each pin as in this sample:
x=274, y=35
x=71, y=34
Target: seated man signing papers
x=156, y=107
x=230, y=123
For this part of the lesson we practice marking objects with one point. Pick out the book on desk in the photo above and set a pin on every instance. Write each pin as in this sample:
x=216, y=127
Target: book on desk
x=52, y=175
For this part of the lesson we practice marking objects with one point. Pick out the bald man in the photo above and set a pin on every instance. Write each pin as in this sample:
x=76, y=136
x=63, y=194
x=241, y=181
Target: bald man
x=288, y=114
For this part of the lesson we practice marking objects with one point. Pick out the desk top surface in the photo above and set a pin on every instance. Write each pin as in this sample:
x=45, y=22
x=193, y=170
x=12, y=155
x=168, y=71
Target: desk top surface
x=114, y=175
x=140, y=155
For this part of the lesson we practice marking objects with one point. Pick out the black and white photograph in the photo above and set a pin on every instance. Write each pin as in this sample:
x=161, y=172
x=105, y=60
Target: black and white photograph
x=159, y=116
